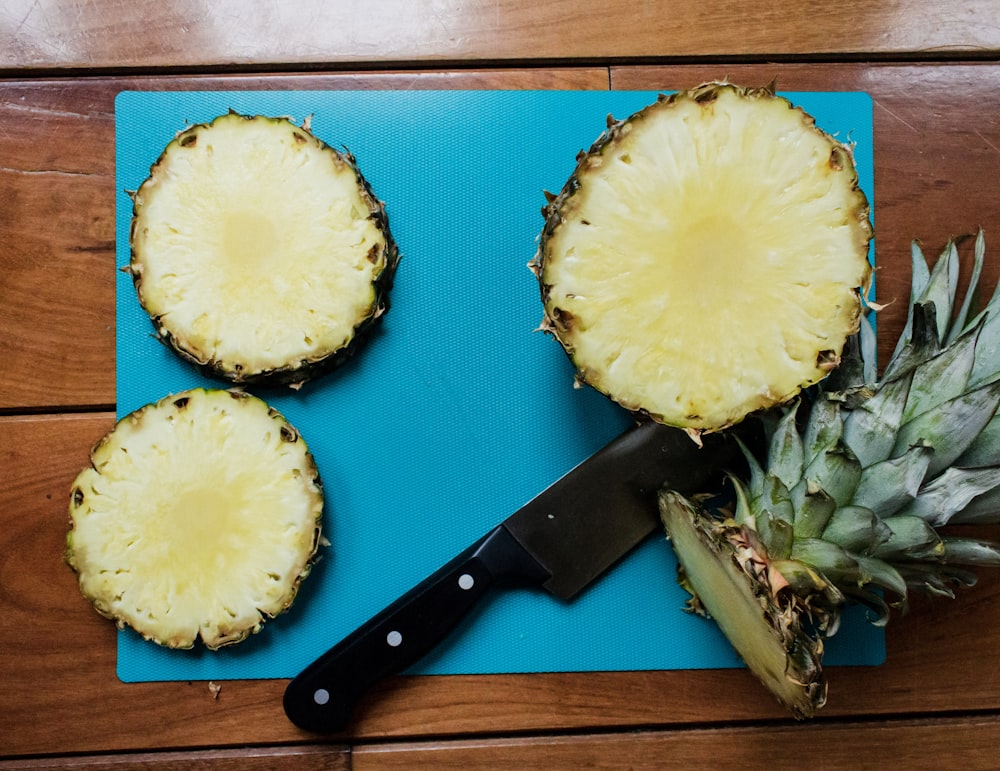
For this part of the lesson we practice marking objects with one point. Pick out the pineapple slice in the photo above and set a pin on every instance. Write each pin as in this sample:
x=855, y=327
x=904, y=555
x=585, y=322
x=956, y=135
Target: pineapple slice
x=259, y=252
x=199, y=516
x=704, y=260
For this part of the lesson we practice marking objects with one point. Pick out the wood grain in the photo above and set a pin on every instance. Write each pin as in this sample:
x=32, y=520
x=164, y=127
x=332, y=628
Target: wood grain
x=57, y=221
x=911, y=744
x=900, y=744
x=316, y=758
x=61, y=694
x=234, y=33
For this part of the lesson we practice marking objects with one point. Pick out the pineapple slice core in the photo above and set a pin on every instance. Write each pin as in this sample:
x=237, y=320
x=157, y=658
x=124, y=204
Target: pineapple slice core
x=199, y=516
x=709, y=260
x=249, y=240
x=254, y=244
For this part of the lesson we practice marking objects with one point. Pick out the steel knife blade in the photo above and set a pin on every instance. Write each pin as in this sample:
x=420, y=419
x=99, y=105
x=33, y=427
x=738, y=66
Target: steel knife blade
x=561, y=540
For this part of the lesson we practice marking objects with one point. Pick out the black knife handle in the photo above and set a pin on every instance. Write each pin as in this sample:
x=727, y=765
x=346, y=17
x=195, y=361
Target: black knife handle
x=321, y=697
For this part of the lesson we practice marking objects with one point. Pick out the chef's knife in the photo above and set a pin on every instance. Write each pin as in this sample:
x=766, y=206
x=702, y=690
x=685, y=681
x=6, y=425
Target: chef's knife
x=561, y=540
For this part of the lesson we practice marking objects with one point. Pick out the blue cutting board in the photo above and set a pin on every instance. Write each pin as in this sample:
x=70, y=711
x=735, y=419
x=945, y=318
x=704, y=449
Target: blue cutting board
x=457, y=411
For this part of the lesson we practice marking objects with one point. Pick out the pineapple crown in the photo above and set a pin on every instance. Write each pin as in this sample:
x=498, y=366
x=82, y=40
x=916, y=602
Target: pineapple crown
x=861, y=471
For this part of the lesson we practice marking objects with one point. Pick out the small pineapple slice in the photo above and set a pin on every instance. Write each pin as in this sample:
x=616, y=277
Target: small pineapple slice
x=259, y=252
x=199, y=516
x=704, y=260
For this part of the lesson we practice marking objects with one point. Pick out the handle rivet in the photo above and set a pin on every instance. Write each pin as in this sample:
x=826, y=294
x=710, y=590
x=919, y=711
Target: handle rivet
x=394, y=638
x=465, y=581
x=321, y=696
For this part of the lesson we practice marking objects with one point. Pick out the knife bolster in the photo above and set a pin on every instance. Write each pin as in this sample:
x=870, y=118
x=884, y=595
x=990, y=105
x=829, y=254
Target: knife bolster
x=507, y=560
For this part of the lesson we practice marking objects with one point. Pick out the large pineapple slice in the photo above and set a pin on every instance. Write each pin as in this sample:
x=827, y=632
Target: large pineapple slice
x=259, y=252
x=199, y=516
x=857, y=480
x=705, y=260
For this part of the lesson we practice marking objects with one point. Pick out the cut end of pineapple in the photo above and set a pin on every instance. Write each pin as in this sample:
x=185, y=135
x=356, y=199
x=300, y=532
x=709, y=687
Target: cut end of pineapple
x=199, y=517
x=733, y=587
x=259, y=252
x=706, y=259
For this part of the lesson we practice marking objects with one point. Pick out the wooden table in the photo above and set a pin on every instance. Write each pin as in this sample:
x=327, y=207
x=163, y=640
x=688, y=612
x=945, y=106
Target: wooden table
x=933, y=71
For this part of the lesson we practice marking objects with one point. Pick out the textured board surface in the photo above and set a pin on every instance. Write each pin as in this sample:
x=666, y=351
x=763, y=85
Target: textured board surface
x=456, y=412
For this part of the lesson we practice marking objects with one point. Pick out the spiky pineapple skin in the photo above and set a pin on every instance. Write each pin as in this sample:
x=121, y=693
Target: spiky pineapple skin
x=562, y=324
x=296, y=373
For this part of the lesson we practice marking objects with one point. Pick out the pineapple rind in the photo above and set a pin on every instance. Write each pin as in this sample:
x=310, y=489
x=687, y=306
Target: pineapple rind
x=680, y=225
x=259, y=252
x=198, y=517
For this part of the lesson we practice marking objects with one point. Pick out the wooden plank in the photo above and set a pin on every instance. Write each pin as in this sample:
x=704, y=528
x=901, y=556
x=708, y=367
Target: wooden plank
x=57, y=239
x=313, y=758
x=61, y=694
x=937, y=146
x=225, y=33
x=967, y=743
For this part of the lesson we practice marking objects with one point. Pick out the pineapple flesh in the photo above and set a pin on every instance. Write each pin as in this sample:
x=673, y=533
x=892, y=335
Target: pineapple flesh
x=706, y=258
x=259, y=252
x=198, y=517
x=858, y=478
